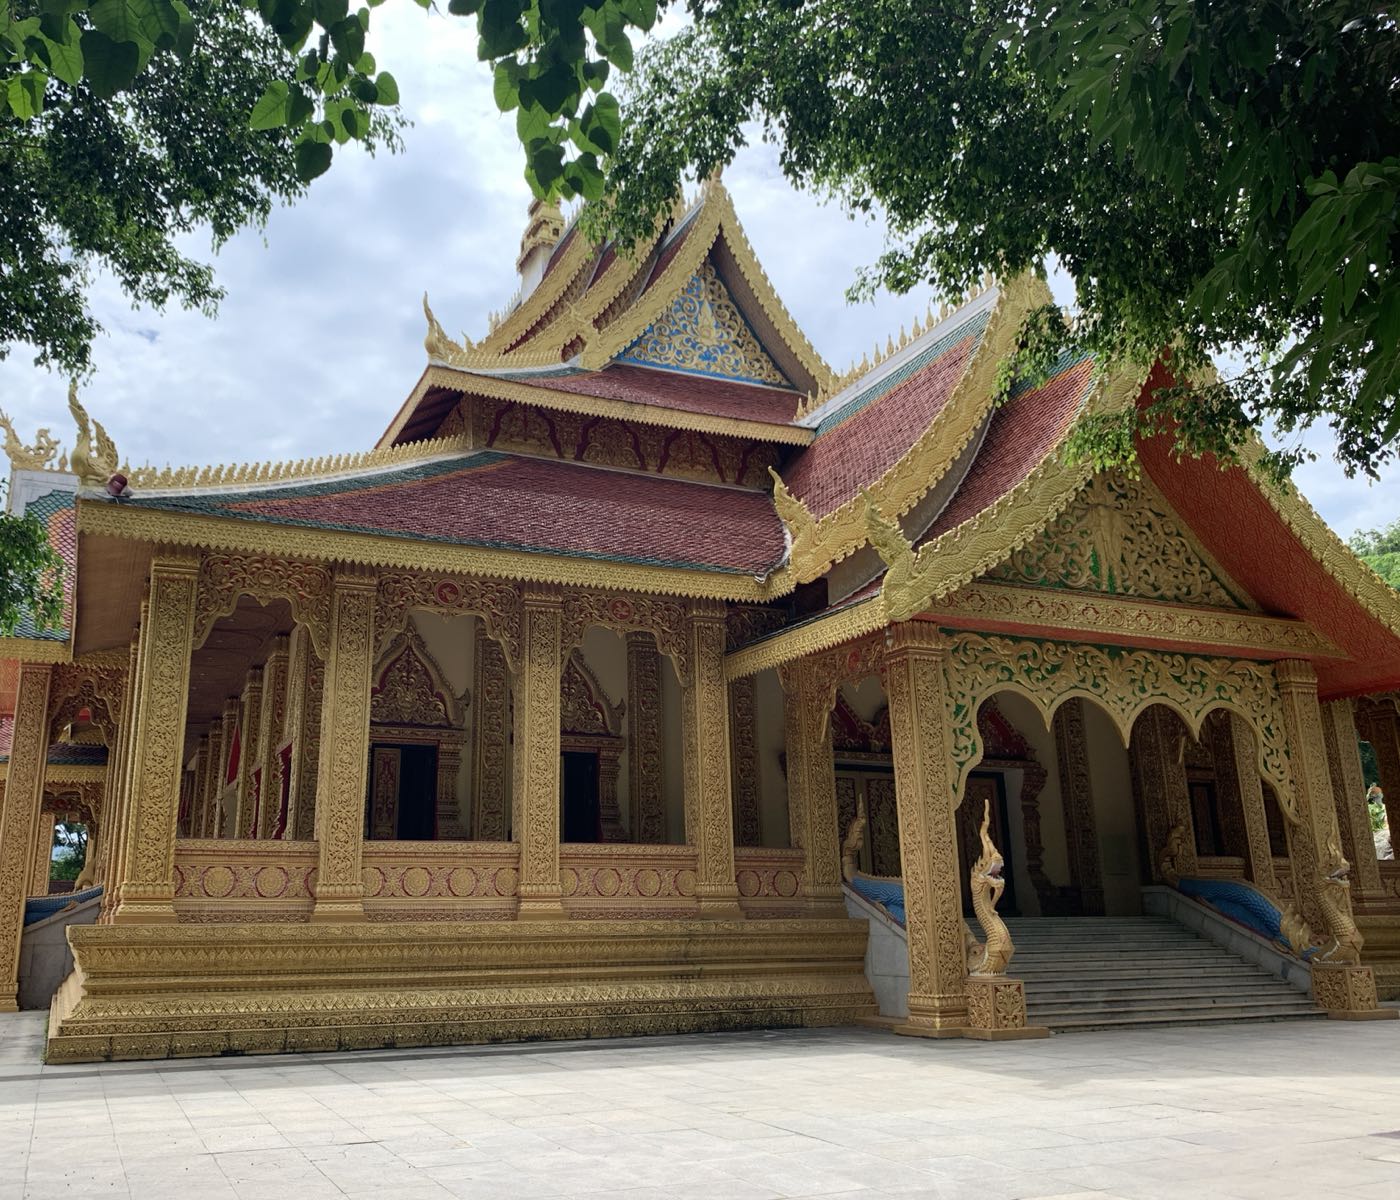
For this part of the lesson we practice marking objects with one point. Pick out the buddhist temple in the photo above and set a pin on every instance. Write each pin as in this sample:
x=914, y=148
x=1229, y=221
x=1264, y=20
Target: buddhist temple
x=650, y=676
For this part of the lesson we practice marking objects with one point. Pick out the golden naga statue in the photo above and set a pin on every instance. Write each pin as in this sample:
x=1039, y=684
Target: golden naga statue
x=1334, y=898
x=992, y=956
x=850, y=851
x=28, y=458
x=93, y=466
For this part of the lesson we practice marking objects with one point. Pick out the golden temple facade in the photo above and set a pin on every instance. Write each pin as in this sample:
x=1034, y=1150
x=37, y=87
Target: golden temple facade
x=548, y=715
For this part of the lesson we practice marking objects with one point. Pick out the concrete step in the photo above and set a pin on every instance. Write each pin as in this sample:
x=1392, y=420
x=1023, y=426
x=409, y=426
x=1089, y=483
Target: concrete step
x=1080, y=993
x=1118, y=1021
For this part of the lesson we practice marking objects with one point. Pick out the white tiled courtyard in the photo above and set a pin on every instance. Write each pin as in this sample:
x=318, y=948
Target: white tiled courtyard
x=1307, y=1109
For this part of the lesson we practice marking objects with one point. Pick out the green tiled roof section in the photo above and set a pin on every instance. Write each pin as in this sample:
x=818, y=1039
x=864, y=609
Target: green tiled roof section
x=46, y=507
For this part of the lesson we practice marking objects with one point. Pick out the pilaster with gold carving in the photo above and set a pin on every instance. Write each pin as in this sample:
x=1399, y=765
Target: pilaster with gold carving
x=709, y=823
x=808, y=697
x=118, y=780
x=1259, y=857
x=1349, y=794
x=491, y=739
x=23, y=800
x=1159, y=776
x=1316, y=825
x=343, y=770
x=271, y=718
x=225, y=792
x=1077, y=796
x=148, y=884
x=294, y=722
x=249, y=782
x=917, y=688
x=43, y=855
x=198, y=789
x=213, y=782
x=743, y=746
x=306, y=755
x=645, y=744
x=535, y=790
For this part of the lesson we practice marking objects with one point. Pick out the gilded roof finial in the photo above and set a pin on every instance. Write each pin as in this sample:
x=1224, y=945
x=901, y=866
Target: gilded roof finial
x=544, y=226
x=28, y=458
x=93, y=466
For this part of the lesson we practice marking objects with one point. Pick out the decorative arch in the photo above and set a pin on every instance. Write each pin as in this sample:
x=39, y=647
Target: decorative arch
x=98, y=690
x=584, y=708
x=496, y=603
x=410, y=688
x=1123, y=682
x=224, y=578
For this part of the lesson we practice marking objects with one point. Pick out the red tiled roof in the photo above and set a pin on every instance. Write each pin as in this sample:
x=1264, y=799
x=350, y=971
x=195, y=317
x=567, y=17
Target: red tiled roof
x=862, y=447
x=686, y=393
x=535, y=505
x=1023, y=431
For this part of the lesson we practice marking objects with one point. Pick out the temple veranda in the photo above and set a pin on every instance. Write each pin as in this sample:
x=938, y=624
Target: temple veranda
x=556, y=713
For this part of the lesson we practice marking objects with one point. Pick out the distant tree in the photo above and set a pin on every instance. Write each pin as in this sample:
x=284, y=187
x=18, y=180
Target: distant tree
x=70, y=840
x=1380, y=550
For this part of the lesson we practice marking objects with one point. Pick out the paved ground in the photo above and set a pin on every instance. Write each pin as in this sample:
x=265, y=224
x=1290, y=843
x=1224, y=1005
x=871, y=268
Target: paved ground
x=1303, y=1110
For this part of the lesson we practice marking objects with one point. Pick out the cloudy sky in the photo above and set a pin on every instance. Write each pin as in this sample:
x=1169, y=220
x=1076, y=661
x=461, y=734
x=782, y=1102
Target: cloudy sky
x=320, y=337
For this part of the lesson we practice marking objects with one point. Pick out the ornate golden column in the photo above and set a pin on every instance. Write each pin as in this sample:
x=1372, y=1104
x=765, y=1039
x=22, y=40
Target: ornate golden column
x=343, y=773
x=915, y=662
x=645, y=745
x=43, y=855
x=153, y=796
x=491, y=740
x=23, y=800
x=250, y=726
x=1349, y=794
x=1245, y=763
x=811, y=780
x=709, y=819
x=118, y=780
x=271, y=719
x=213, y=781
x=1077, y=799
x=1160, y=777
x=306, y=746
x=743, y=750
x=199, y=789
x=535, y=784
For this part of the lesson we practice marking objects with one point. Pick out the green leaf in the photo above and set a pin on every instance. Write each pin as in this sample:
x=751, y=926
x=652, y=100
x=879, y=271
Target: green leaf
x=25, y=94
x=312, y=159
x=108, y=66
x=330, y=12
x=66, y=61
x=388, y=88
x=505, y=85
x=299, y=107
x=458, y=8
x=118, y=19
x=271, y=111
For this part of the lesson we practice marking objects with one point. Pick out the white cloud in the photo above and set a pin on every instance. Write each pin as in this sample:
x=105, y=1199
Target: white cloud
x=320, y=336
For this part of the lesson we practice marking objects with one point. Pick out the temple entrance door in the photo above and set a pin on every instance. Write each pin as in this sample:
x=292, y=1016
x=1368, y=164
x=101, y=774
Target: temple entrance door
x=983, y=786
x=402, y=793
x=581, y=814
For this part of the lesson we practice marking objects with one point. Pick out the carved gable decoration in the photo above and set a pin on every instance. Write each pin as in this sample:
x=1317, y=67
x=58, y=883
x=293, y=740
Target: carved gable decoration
x=410, y=689
x=584, y=708
x=1120, y=536
x=705, y=334
x=854, y=735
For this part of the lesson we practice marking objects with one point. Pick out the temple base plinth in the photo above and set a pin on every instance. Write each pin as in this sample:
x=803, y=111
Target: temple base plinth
x=1347, y=992
x=154, y=991
x=996, y=1009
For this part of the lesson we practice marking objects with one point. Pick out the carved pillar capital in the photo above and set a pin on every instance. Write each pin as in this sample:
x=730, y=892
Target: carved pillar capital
x=915, y=636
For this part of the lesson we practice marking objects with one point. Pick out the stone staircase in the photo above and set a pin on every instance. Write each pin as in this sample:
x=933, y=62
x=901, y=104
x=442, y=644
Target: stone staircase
x=1097, y=972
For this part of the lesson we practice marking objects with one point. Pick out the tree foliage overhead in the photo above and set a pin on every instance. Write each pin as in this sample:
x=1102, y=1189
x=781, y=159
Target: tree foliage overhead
x=1217, y=178
x=107, y=169
x=31, y=583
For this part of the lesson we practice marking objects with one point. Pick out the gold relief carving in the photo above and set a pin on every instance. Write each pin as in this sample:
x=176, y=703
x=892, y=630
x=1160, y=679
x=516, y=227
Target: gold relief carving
x=384, y=793
x=611, y=443
x=995, y=1003
x=78, y=686
x=491, y=761
x=92, y=464
x=344, y=750
x=705, y=726
x=410, y=688
x=812, y=797
x=990, y=957
x=743, y=735
x=745, y=623
x=926, y=779
x=223, y=578
x=645, y=747
x=1340, y=988
x=643, y=879
x=496, y=604
x=209, y=870
x=250, y=777
x=662, y=617
x=1160, y=783
x=584, y=705
x=1243, y=769
x=770, y=880
x=153, y=797
x=535, y=790
x=691, y=455
x=704, y=333
x=306, y=762
x=22, y=799
x=1077, y=796
x=1349, y=792
x=1123, y=682
x=272, y=716
x=292, y=732
x=1120, y=536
